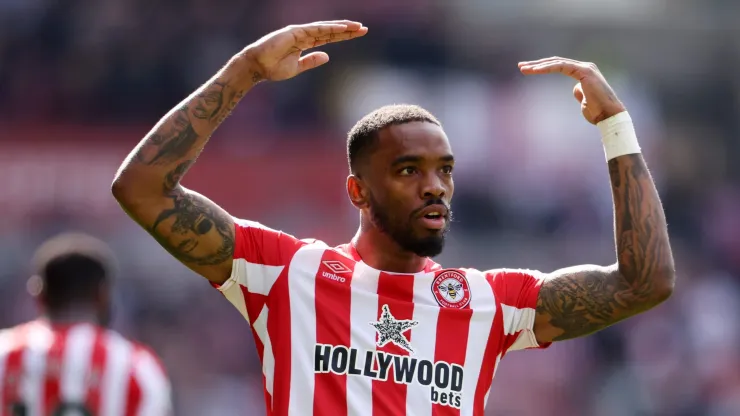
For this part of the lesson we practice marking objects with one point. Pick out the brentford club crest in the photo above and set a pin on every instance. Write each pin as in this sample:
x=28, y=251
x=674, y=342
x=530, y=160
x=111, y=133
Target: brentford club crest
x=451, y=289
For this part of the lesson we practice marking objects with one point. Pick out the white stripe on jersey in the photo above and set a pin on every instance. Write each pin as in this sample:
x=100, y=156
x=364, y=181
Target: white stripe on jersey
x=426, y=312
x=268, y=359
x=40, y=339
x=262, y=276
x=114, y=386
x=363, y=310
x=302, y=291
x=482, y=299
x=519, y=319
x=76, y=363
x=233, y=291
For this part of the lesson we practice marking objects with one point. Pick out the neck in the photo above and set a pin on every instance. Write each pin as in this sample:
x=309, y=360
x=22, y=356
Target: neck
x=73, y=316
x=380, y=252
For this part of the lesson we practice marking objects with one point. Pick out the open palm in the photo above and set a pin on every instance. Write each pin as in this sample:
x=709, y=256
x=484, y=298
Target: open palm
x=598, y=100
x=277, y=55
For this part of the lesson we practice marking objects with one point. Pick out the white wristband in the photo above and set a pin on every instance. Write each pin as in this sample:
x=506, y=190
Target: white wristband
x=618, y=136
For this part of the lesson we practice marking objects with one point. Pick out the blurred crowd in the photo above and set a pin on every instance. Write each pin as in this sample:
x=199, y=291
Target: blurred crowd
x=81, y=81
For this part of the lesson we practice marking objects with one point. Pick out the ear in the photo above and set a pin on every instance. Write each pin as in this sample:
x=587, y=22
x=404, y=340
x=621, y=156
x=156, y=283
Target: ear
x=35, y=288
x=357, y=191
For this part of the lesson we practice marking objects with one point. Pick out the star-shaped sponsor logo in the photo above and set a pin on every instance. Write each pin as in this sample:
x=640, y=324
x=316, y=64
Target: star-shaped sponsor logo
x=392, y=330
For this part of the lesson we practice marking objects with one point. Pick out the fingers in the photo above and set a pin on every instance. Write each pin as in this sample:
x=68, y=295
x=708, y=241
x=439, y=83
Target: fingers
x=312, y=60
x=578, y=92
x=545, y=60
x=325, y=29
x=572, y=68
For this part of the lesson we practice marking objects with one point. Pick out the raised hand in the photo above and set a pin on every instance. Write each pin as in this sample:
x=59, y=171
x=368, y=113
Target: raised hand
x=598, y=100
x=277, y=56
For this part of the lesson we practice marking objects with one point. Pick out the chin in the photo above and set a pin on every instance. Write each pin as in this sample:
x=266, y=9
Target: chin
x=429, y=247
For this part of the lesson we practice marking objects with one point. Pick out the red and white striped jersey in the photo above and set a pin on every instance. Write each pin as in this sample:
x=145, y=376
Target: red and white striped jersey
x=47, y=369
x=337, y=337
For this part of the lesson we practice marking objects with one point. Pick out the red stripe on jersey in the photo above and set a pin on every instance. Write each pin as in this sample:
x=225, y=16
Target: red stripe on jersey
x=255, y=302
x=268, y=398
x=133, y=396
x=396, y=291
x=262, y=245
x=278, y=327
x=493, y=348
x=95, y=372
x=14, y=366
x=54, y=363
x=453, y=326
x=333, y=298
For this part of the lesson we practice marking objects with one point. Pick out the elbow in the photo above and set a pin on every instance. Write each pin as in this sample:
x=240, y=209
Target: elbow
x=121, y=189
x=664, y=281
x=126, y=190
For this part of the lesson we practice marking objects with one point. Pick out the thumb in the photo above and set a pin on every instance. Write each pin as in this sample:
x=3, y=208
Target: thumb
x=578, y=92
x=312, y=60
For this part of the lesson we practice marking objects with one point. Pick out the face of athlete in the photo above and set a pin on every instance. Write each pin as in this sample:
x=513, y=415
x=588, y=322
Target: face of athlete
x=409, y=186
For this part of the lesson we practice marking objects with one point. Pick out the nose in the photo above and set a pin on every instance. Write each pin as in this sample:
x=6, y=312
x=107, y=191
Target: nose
x=433, y=187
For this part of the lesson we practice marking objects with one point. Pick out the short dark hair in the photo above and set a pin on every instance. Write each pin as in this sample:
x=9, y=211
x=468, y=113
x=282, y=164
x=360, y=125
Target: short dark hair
x=362, y=136
x=72, y=268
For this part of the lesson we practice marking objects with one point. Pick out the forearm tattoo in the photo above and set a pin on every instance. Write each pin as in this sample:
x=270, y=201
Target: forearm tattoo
x=585, y=299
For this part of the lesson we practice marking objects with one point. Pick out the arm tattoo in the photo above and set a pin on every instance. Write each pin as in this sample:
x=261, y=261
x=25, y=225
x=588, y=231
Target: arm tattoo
x=180, y=229
x=188, y=225
x=174, y=145
x=216, y=102
x=173, y=177
x=585, y=299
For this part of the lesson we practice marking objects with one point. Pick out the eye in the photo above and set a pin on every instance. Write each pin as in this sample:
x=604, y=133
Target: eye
x=447, y=170
x=408, y=170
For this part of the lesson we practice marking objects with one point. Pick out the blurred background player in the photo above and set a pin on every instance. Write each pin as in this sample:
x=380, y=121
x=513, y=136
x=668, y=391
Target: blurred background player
x=67, y=362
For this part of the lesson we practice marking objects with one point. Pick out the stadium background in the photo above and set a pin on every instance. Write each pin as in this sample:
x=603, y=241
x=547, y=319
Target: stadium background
x=82, y=80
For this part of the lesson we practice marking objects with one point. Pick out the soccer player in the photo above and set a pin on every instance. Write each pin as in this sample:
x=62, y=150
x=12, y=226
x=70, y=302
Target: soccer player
x=374, y=326
x=67, y=362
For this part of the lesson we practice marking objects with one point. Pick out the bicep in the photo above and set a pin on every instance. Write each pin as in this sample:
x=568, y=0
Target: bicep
x=192, y=228
x=580, y=300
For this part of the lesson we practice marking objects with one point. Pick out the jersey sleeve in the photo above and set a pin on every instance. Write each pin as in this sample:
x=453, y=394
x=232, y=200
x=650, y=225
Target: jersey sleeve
x=155, y=391
x=260, y=255
x=517, y=290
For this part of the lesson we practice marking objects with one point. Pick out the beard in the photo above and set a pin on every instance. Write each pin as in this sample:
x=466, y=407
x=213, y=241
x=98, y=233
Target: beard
x=402, y=231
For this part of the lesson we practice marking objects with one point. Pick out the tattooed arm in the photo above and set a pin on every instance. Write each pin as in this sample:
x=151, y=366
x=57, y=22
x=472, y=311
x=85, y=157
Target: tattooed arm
x=192, y=228
x=580, y=300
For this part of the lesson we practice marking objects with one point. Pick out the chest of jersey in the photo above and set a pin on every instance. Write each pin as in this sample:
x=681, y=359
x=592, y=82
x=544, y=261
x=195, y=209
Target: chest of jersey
x=358, y=329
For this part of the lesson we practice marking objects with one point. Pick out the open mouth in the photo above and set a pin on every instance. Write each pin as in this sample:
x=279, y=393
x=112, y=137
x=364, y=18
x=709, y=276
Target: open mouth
x=434, y=221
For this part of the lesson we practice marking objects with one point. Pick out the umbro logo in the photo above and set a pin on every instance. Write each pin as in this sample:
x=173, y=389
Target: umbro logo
x=336, y=266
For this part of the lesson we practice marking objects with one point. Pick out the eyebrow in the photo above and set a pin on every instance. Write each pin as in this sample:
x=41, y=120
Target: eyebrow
x=415, y=159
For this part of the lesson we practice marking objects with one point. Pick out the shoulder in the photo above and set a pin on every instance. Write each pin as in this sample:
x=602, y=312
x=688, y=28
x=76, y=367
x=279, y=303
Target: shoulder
x=510, y=274
x=35, y=335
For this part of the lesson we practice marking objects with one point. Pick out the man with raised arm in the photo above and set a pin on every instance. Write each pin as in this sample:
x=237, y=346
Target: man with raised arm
x=374, y=326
